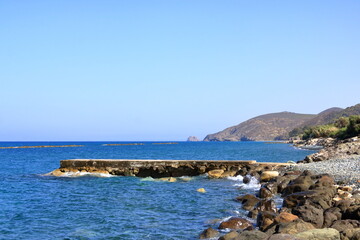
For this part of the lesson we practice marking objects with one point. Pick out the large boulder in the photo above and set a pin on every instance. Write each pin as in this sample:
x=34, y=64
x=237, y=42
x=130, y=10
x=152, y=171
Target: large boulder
x=310, y=214
x=331, y=215
x=266, y=205
x=265, y=220
x=294, y=227
x=298, y=199
x=265, y=193
x=268, y=175
x=319, y=234
x=235, y=223
x=342, y=225
x=350, y=234
x=216, y=173
x=285, y=217
x=209, y=233
x=248, y=201
x=299, y=184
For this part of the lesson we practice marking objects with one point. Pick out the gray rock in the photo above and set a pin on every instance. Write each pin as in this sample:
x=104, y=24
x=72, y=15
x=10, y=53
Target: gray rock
x=319, y=234
x=252, y=235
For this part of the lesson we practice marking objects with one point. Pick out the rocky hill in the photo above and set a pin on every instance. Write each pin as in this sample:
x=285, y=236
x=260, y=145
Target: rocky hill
x=330, y=115
x=273, y=126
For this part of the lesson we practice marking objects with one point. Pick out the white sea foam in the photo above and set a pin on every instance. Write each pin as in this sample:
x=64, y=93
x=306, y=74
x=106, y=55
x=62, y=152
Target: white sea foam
x=253, y=184
x=86, y=174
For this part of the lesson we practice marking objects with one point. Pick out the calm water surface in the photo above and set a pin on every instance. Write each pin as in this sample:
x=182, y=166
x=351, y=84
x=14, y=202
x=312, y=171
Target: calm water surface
x=37, y=207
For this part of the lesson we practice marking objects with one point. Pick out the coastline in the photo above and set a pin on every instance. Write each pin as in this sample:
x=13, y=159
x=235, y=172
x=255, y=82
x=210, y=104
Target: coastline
x=321, y=199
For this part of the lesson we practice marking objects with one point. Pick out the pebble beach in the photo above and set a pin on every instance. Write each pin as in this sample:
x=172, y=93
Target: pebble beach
x=345, y=170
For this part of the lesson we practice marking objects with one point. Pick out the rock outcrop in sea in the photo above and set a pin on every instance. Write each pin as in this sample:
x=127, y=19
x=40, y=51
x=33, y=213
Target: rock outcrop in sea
x=193, y=139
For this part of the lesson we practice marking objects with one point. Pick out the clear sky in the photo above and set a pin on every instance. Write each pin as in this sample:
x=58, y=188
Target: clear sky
x=165, y=70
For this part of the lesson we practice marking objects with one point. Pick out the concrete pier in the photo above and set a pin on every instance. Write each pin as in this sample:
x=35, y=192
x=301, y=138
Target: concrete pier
x=162, y=168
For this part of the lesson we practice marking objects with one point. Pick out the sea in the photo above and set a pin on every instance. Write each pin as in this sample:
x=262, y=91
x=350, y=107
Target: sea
x=34, y=206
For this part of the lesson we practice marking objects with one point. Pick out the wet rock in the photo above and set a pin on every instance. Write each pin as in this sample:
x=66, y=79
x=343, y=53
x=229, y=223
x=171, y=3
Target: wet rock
x=265, y=220
x=252, y=235
x=246, y=179
x=265, y=193
x=235, y=223
x=228, y=174
x=56, y=173
x=215, y=173
x=342, y=225
x=310, y=214
x=319, y=234
x=268, y=175
x=294, y=227
x=253, y=213
x=201, y=190
x=285, y=217
x=248, y=201
x=209, y=233
x=266, y=205
x=230, y=236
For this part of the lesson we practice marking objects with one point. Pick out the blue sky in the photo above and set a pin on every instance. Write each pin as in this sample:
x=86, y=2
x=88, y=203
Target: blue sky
x=164, y=70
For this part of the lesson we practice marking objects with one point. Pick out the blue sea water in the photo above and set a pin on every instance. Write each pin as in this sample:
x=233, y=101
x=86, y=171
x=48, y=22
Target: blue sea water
x=33, y=206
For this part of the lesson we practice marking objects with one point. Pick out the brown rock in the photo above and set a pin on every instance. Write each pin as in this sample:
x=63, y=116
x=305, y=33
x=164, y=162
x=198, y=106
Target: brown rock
x=248, y=201
x=215, y=173
x=351, y=234
x=265, y=220
x=310, y=214
x=331, y=215
x=268, y=175
x=298, y=198
x=285, y=217
x=235, y=223
x=230, y=236
x=266, y=205
x=265, y=193
x=209, y=233
x=342, y=225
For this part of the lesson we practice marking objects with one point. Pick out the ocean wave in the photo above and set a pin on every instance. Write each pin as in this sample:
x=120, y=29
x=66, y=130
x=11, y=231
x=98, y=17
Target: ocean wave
x=83, y=174
x=253, y=184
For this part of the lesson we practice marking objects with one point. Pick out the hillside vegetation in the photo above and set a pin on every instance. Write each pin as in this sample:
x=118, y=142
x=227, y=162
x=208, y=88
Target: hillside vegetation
x=344, y=127
x=324, y=121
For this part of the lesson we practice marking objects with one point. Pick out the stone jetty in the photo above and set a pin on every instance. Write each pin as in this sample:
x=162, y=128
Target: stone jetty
x=162, y=168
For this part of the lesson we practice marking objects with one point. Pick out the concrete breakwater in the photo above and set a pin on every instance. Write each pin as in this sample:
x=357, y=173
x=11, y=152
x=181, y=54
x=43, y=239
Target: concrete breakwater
x=162, y=168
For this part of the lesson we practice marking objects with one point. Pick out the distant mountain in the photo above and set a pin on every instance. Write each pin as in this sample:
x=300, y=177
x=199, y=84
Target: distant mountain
x=273, y=126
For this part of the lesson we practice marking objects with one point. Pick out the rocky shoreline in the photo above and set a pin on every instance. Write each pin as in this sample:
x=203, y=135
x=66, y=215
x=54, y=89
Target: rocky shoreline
x=320, y=195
